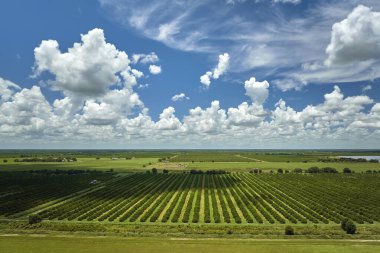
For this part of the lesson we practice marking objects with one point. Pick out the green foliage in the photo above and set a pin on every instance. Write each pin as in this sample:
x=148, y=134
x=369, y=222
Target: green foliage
x=236, y=198
x=346, y=170
x=34, y=218
x=289, y=230
x=350, y=228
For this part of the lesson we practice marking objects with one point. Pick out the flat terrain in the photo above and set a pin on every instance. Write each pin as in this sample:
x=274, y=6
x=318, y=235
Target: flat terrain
x=187, y=201
x=135, y=161
x=38, y=244
x=237, y=198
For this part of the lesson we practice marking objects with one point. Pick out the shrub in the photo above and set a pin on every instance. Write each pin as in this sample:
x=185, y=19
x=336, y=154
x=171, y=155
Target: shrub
x=154, y=171
x=297, y=170
x=165, y=171
x=289, y=230
x=34, y=218
x=280, y=171
x=343, y=223
x=5, y=161
x=346, y=170
x=350, y=228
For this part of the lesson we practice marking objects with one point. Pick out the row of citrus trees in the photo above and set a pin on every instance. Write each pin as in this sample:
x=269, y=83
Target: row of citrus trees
x=20, y=191
x=230, y=198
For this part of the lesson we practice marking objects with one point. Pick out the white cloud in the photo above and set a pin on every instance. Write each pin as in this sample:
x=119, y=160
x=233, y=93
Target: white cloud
x=246, y=115
x=356, y=38
x=338, y=121
x=287, y=84
x=86, y=69
x=205, y=79
x=208, y=121
x=154, y=69
x=260, y=42
x=7, y=88
x=145, y=58
x=179, y=97
x=167, y=120
x=257, y=91
x=367, y=88
x=220, y=69
x=143, y=86
x=223, y=63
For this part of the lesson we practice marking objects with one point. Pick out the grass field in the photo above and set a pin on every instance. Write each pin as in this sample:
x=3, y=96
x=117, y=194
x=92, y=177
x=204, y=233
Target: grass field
x=182, y=161
x=38, y=244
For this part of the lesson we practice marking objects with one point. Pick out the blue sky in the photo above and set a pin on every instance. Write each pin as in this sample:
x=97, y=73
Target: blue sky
x=190, y=74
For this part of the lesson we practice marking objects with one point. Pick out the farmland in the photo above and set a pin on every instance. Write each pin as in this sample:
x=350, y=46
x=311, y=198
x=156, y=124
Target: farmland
x=237, y=198
x=196, y=195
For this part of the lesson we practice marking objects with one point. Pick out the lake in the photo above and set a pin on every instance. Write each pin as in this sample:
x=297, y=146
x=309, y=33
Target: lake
x=367, y=157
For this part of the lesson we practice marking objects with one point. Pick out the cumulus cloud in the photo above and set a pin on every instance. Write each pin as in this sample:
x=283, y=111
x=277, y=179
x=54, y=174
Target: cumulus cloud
x=338, y=121
x=179, y=97
x=145, y=58
x=356, y=38
x=246, y=115
x=220, y=69
x=205, y=121
x=257, y=91
x=86, y=69
x=7, y=88
x=154, y=69
x=168, y=121
x=205, y=79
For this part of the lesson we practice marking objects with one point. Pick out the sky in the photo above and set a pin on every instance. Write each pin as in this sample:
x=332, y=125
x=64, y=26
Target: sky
x=275, y=74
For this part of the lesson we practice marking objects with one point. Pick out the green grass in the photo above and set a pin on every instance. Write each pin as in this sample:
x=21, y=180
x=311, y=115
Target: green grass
x=41, y=244
x=118, y=165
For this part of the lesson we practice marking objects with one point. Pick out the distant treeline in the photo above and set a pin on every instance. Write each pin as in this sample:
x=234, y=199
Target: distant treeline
x=47, y=159
x=312, y=170
x=347, y=159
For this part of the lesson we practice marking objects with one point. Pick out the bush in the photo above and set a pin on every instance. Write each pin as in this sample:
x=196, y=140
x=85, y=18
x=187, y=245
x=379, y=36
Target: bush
x=154, y=171
x=346, y=170
x=280, y=171
x=343, y=223
x=165, y=171
x=289, y=230
x=5, y=161
x=34, y=218
x=350, y=228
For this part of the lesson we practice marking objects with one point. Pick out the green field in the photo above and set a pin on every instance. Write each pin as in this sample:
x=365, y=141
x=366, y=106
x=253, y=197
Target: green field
x=106, y=199
x=134, y=161
x=38, y=244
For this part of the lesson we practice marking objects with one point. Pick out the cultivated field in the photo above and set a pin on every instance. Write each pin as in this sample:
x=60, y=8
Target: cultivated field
x=186, y=198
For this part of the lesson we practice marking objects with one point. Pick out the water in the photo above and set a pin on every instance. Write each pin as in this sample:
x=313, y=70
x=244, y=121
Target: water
x=367, y=157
